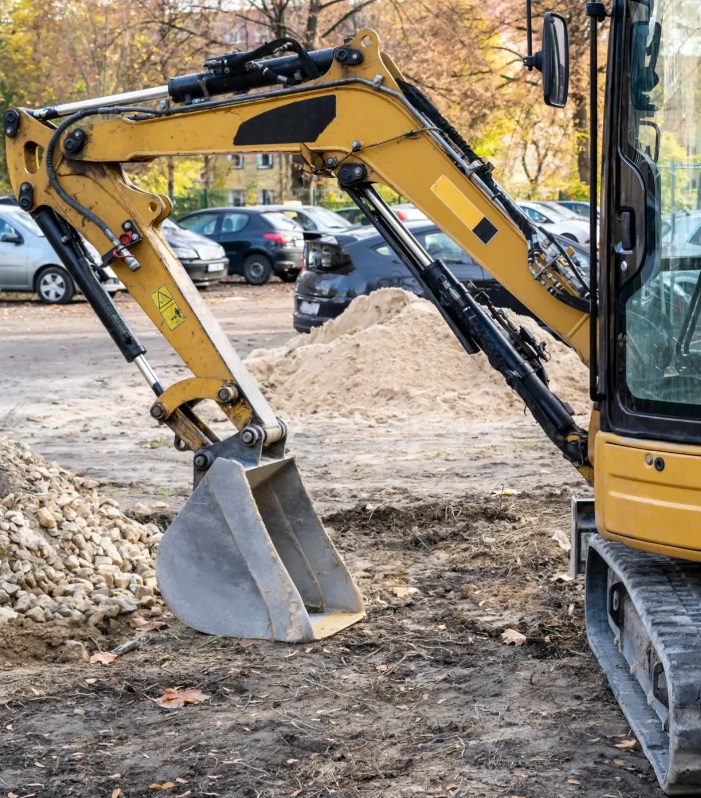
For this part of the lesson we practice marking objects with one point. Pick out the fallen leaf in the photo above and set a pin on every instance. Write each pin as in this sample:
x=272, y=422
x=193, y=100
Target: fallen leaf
x=183, y=794
x=235, y=673
x=292, y=761
x=573, y=781
x=116, y=793
x=165, y=786
x=173, y=698
x=386, y=668
x=512, y=637
x=295, y=793
x=626, y=744
x=619, y=762
x=563, y=577
x=245, y=643
x=12, y=795
x=142, y=625
x=181, y=781
x=104, y=658
x=402, y=592
x=313, y=756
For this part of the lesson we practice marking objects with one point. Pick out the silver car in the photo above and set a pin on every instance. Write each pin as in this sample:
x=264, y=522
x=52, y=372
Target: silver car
x=562, y=223
x=28, y=262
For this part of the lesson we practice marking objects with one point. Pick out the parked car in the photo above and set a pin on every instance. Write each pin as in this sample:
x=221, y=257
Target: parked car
x=681, y=239
x=313, y=218
x=339, y=268
x=258, y=242
x=404, y=211
x=575, y=206
x=352, y=214
x=204, y=260
x=29, y=263
x=555, y=222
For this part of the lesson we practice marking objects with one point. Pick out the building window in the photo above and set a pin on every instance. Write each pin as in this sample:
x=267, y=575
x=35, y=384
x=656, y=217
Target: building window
x=237, y=198
x=266, y=197
x=236, y=160
x=265, y=160
x=234, y=37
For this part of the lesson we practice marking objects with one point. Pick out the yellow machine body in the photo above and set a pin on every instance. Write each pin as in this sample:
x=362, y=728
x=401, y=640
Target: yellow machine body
x=648, y=495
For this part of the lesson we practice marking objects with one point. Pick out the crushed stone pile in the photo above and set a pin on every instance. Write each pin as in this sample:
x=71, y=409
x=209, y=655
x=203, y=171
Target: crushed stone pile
x=390, y=355
x=66, y=552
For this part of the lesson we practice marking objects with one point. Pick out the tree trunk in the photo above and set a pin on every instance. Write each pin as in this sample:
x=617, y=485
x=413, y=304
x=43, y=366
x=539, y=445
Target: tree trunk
x=580, y=121
x=312, y=27
x=171, y=177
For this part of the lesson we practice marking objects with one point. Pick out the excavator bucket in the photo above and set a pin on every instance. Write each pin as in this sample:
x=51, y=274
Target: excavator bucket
x=248, y=556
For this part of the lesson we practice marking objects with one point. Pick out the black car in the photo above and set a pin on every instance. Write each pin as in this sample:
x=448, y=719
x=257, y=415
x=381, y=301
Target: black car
x=339, y=268
x=258, y=242
x=203, y=259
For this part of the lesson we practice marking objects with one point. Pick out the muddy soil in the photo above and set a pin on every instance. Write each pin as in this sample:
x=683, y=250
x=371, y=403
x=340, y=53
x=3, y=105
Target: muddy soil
x=422, y=698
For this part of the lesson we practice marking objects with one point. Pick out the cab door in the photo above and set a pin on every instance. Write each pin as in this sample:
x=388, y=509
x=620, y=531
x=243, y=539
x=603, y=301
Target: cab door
x=14, y=258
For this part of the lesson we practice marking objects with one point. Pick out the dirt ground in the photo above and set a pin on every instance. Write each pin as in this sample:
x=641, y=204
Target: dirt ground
x=449, y=535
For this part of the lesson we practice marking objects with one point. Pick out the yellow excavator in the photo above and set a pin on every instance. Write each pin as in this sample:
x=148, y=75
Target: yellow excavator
x=248, y=556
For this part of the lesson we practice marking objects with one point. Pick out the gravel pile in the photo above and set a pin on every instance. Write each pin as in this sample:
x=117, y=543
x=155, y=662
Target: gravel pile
x=66, y=552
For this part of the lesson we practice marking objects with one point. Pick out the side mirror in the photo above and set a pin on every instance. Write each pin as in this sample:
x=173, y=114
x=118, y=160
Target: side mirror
x=11, y=238
x=554, y=61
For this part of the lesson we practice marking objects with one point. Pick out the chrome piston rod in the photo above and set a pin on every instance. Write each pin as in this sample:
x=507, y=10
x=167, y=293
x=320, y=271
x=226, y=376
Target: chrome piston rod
x=127, y=98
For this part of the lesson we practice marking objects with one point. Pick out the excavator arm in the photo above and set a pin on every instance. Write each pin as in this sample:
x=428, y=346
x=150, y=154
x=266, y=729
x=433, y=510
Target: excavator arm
x=359, y=122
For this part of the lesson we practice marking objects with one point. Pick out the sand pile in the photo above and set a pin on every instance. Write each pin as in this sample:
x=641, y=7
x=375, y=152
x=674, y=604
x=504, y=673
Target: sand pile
x=65, y=550
x=390, y=355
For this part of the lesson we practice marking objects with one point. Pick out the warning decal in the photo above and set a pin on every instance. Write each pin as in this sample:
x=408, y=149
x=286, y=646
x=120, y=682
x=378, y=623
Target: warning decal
x=168, y=307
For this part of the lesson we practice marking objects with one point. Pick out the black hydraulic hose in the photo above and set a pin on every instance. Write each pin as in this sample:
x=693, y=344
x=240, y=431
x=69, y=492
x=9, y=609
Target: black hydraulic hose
x=66, y=197
x=69, y=248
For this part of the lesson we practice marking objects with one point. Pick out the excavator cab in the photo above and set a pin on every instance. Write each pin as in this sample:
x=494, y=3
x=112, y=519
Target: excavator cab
x=643, y=606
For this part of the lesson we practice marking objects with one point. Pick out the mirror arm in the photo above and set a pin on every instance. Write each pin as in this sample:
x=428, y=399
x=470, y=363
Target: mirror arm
x=528, y=60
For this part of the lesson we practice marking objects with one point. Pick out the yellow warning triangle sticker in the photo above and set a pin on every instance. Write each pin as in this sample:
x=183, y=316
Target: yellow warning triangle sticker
x=163, y=298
